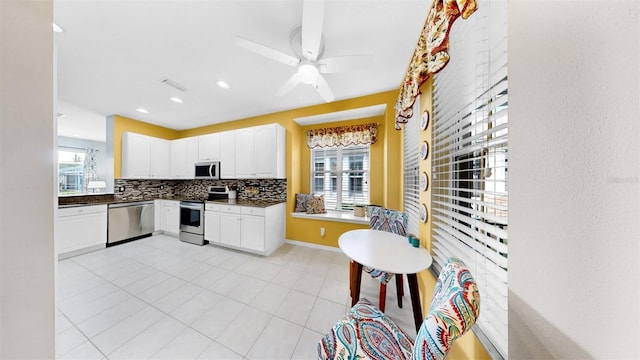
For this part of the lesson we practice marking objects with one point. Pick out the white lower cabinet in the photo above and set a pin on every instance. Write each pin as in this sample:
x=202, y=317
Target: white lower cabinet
x=169, y=216
x=80, y=229
x=212, y=223
x=252, y=233
x=258, y=230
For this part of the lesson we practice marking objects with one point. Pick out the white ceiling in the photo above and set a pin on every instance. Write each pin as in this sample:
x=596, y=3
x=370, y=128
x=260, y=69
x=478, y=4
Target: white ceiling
x=113, y=54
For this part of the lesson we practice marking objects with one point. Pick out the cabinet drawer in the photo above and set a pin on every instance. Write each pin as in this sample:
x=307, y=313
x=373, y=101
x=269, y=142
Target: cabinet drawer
x=173, y=203
x=82, y=210
x=250, y=210
x=212, y=207
x=230, y=209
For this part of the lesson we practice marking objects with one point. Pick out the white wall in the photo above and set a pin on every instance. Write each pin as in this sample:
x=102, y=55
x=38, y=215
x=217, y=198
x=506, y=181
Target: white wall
x=27, y=128
x=574, y=116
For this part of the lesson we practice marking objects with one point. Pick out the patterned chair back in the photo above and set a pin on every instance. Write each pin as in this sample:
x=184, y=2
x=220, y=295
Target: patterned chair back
x=454, y=310
x=388, y=220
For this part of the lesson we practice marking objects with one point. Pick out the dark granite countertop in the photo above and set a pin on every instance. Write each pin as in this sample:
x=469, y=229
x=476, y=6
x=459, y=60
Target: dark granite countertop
x=66, y=202
x=253, y=203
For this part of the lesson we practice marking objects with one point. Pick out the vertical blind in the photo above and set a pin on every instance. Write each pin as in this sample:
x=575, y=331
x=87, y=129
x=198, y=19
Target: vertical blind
x=411, y=144
x=469, y=166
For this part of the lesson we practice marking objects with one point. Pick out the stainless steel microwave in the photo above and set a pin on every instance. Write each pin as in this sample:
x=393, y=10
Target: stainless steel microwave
x=208, y=170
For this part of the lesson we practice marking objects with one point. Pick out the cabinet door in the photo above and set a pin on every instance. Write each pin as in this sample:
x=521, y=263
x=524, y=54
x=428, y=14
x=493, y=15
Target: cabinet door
x=245, y=156
x=252, y=232
x=81, y=231
x=135, y=156
x=230, y=229
x=160, y=150
x=191, y=157
x=212, y=226
x=171, y=218
x=157, y=215
x=209, y=147
x=178, y=159
x=228, y=155
x=265, y=152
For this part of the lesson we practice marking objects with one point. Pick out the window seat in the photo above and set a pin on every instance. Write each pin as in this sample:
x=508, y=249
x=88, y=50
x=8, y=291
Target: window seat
x=339, y=216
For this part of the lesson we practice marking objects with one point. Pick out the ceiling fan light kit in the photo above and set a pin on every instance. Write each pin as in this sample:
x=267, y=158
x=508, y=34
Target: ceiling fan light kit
x=308, y=73
x=307, y=43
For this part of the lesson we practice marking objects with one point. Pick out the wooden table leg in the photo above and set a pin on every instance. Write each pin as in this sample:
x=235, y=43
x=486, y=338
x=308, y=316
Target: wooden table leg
x=415, y=300
x=356, y=280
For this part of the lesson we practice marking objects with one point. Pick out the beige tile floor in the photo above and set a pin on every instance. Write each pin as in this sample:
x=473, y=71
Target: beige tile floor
x=159, y=298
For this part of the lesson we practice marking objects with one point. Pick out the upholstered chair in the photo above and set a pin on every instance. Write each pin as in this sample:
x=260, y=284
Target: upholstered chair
x=367, y=333
x=394, y=222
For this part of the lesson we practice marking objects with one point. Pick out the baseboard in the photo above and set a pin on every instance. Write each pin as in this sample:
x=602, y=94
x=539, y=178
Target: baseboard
x=311, y=245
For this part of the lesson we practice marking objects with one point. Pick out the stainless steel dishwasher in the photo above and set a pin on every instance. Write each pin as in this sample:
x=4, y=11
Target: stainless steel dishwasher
x=129, y=221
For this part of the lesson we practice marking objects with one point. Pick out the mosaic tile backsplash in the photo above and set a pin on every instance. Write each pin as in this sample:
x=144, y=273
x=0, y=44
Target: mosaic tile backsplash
x=247, y=189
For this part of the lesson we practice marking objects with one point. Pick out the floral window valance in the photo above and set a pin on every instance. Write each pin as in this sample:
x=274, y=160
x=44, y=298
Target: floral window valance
x=343, y=135
x=430, y=54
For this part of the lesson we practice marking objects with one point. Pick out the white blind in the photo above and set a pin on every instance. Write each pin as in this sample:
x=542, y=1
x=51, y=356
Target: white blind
x=470, y=157
x=410, y=145
x=341, y=173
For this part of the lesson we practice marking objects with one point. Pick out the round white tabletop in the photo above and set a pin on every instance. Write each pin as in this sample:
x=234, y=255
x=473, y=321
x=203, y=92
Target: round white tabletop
x=384, y=251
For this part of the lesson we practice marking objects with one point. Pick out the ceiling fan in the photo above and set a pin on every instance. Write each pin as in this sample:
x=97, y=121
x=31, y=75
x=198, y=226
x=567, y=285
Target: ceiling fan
x=307, y=43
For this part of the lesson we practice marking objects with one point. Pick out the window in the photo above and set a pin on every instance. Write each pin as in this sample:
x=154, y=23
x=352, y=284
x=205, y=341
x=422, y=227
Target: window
x=341, y=173
x=470, y=157
x=411, y=144
x=70, y=171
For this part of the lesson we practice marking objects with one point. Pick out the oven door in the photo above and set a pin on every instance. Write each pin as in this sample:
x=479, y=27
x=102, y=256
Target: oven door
x=192, y=218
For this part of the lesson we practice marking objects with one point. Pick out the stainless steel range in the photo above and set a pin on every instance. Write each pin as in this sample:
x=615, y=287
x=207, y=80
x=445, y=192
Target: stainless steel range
x=192, y=221
x=192, y=215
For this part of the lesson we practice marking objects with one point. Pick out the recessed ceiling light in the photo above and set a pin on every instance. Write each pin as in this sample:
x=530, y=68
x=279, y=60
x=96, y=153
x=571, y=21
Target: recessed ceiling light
x=176, y=100
x=141, y=110
x=57, y=28
x=223, y=84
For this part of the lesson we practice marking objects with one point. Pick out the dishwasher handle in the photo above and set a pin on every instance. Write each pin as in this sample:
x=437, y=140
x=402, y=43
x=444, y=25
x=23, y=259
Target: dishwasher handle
x=133, y=203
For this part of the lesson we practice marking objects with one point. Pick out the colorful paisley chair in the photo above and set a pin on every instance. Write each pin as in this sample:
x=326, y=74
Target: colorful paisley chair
x=395, y=222
x=367, y=333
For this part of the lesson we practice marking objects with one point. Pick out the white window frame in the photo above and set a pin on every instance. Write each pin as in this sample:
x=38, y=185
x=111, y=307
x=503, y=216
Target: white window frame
x=339, y=204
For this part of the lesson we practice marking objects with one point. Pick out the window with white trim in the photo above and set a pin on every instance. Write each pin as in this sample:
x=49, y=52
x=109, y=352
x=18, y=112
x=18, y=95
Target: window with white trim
x=341, y=174
x=470, y=163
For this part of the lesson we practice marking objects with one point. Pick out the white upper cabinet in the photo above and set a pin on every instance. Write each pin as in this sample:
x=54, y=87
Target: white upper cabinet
x=228, y=155
x=269, y=151
x=245, y=157
x=250, y=153
x=209, y=147
x=260, y=152
x=144, y=157
x=159, y=156
x=184, y=154
x=136, y=154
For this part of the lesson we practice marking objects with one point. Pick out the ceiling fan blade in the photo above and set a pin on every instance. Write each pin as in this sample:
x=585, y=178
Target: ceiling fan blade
x=344, y=63
x=322, y=87
x=289, y=85
x=312, y=22
x=267, y=52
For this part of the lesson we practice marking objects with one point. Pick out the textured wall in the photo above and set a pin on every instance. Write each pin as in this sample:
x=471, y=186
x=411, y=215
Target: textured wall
x=27, y=131
x=574, y=179
x=247, y=189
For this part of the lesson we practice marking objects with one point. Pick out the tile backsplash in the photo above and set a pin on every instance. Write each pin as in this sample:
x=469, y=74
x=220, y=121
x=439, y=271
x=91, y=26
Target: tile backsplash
x=247, y=189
